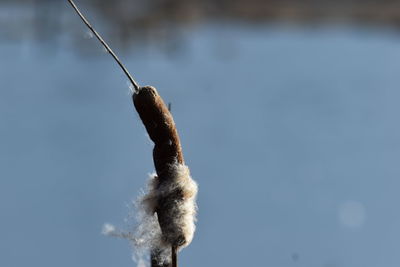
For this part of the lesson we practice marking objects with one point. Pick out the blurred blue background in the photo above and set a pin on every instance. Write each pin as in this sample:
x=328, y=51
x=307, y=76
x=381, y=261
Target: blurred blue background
x=287, y=111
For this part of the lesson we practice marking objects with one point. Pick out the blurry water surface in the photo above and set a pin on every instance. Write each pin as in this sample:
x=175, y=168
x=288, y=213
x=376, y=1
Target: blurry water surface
x=292, y=134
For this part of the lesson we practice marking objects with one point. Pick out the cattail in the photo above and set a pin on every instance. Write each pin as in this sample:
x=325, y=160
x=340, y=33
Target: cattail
x=171, y=196
x=172, y=191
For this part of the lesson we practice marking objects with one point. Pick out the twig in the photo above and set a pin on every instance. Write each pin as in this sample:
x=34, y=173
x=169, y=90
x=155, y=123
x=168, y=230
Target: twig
x=134, y=83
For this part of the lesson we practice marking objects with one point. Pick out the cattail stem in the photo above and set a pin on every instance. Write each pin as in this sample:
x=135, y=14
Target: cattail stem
x=109, y=50
x=174, y=257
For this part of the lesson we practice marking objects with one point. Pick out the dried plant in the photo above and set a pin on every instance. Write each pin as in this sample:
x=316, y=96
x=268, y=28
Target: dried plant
x=171, y=196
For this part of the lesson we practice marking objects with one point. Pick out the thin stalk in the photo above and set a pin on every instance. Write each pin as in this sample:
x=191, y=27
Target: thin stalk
x=174, y=257
x=109, y=50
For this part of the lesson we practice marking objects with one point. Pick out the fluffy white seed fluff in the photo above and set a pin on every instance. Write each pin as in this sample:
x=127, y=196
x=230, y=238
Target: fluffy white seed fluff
x=108, y=229
x=147, y=234
x=182, y=211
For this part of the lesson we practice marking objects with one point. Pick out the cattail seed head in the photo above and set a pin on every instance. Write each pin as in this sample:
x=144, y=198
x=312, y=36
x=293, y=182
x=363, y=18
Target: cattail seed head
x=172, y=192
